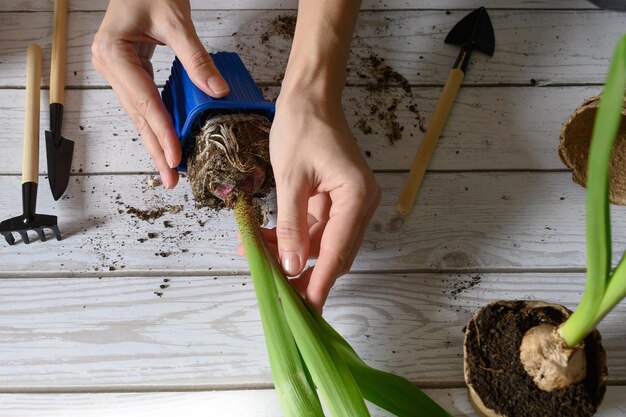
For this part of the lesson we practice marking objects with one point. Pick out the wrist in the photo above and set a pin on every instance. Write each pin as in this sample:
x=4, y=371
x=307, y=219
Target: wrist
x=316, y=77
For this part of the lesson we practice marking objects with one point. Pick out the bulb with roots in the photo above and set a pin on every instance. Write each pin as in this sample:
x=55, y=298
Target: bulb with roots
x=549, y=361
x=230, y=158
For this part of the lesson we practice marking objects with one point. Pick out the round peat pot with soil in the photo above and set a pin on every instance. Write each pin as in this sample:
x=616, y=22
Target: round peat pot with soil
x=574, y=149
x=516, y=365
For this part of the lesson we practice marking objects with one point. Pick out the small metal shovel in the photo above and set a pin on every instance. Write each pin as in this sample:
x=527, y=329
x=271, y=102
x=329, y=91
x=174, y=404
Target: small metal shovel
x=59, y=150
x=30, y=162
x=473, y=32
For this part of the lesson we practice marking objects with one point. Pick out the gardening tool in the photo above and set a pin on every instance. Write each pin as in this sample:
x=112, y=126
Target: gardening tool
x=474, y=31
x=190, y=107
x=30, y=162
x=58, y=149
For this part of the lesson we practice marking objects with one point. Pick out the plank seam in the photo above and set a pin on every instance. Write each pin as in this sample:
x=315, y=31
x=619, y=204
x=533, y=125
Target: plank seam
x=209, y=388
x=233, y=273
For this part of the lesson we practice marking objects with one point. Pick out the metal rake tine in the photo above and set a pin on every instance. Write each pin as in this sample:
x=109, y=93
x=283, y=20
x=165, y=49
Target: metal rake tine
x=24, y=237
x=56, y=231
x=41, y=234
x=9, y=238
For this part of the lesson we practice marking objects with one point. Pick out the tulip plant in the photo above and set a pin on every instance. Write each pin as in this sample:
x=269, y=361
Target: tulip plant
x=308, y=356
x=603, y=288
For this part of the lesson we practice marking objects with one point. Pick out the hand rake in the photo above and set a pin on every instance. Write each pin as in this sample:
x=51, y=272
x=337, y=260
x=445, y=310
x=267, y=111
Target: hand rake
x=29, y=220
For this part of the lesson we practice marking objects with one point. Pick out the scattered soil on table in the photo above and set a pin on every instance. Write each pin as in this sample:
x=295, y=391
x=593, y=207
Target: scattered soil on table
x=382, y=76
x=283, y=26
x=462, y=285
x=495, y=372
x=382, y=103
x=378, y=113
x=153, y=214
x=231, y=154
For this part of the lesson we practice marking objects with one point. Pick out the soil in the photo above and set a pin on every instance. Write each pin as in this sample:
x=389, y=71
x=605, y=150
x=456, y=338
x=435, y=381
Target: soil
x=383, y=106
x=495, y=372
x=150, y=215
x=380, y=115
x=218, y=172
x=283, y=26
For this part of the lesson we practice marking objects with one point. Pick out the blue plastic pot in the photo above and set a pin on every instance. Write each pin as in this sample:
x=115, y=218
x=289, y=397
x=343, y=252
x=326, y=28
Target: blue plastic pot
x=189, y=107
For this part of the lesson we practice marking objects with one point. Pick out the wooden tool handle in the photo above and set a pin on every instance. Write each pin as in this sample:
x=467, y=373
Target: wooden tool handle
x=435, y=127
x=59, y=53
x=30, y=159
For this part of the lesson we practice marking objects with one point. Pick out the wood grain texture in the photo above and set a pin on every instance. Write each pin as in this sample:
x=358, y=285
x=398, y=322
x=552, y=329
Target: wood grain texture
x=204, y=332
x=462, y=221
x=98, y=5
x=153, y=317
x=256, y=403
x=500, y=128
x=550, y=47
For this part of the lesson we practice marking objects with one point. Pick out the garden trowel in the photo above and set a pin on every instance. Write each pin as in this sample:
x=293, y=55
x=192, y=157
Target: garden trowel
x=474, y=31
x=58, y=149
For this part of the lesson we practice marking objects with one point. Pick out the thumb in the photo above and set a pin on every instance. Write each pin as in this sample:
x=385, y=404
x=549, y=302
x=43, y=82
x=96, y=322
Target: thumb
x=198, y=63
x=292, y=231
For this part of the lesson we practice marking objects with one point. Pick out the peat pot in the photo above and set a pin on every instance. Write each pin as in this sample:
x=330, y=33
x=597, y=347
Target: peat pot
x=497, y=381
x=574, y=149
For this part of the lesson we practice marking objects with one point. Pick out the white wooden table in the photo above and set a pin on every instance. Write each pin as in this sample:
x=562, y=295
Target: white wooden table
x=112, y=322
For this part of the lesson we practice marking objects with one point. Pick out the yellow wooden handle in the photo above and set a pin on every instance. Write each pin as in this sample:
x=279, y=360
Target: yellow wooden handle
x=435, y=127
x=59, y=53
x=30, y=158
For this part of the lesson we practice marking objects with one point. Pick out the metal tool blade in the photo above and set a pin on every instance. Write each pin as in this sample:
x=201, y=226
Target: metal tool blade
x=59, y=153
x=474, y=30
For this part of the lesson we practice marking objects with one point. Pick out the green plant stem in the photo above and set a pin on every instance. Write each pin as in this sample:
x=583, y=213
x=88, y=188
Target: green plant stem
x=615, y=291
x=336, y=384
x=297, y=334
x=598, y=222
x=294, y=388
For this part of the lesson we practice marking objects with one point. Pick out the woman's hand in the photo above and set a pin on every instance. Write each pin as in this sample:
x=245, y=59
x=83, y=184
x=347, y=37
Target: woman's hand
x=326, y=193
x=121, y=53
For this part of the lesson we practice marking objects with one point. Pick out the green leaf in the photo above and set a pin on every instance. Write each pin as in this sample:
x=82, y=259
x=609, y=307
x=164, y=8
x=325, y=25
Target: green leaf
x=615, y=291
x=388, y=391
x=301, y=342
x=598, y=222
x=297, y=394
x=339, y=391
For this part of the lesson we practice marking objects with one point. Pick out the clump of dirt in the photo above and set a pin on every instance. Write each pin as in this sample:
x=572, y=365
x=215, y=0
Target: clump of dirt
x=462, y=285
x=152, y=214
x=383, y=106
x=231, y=155
x=283, y=26
x=382, y=76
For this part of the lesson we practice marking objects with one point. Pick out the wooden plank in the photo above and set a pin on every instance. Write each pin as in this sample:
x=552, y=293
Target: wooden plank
x=204, y=332
x=462, y=221
x=503, y=128
x=98, y=5
x=258, y=403
x=546, y=46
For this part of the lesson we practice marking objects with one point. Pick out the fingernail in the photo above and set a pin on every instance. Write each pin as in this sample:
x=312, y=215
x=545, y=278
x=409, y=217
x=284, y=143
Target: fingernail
x=217, y=84
x=291, y=263
x=165, y=180
x=169, y=158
